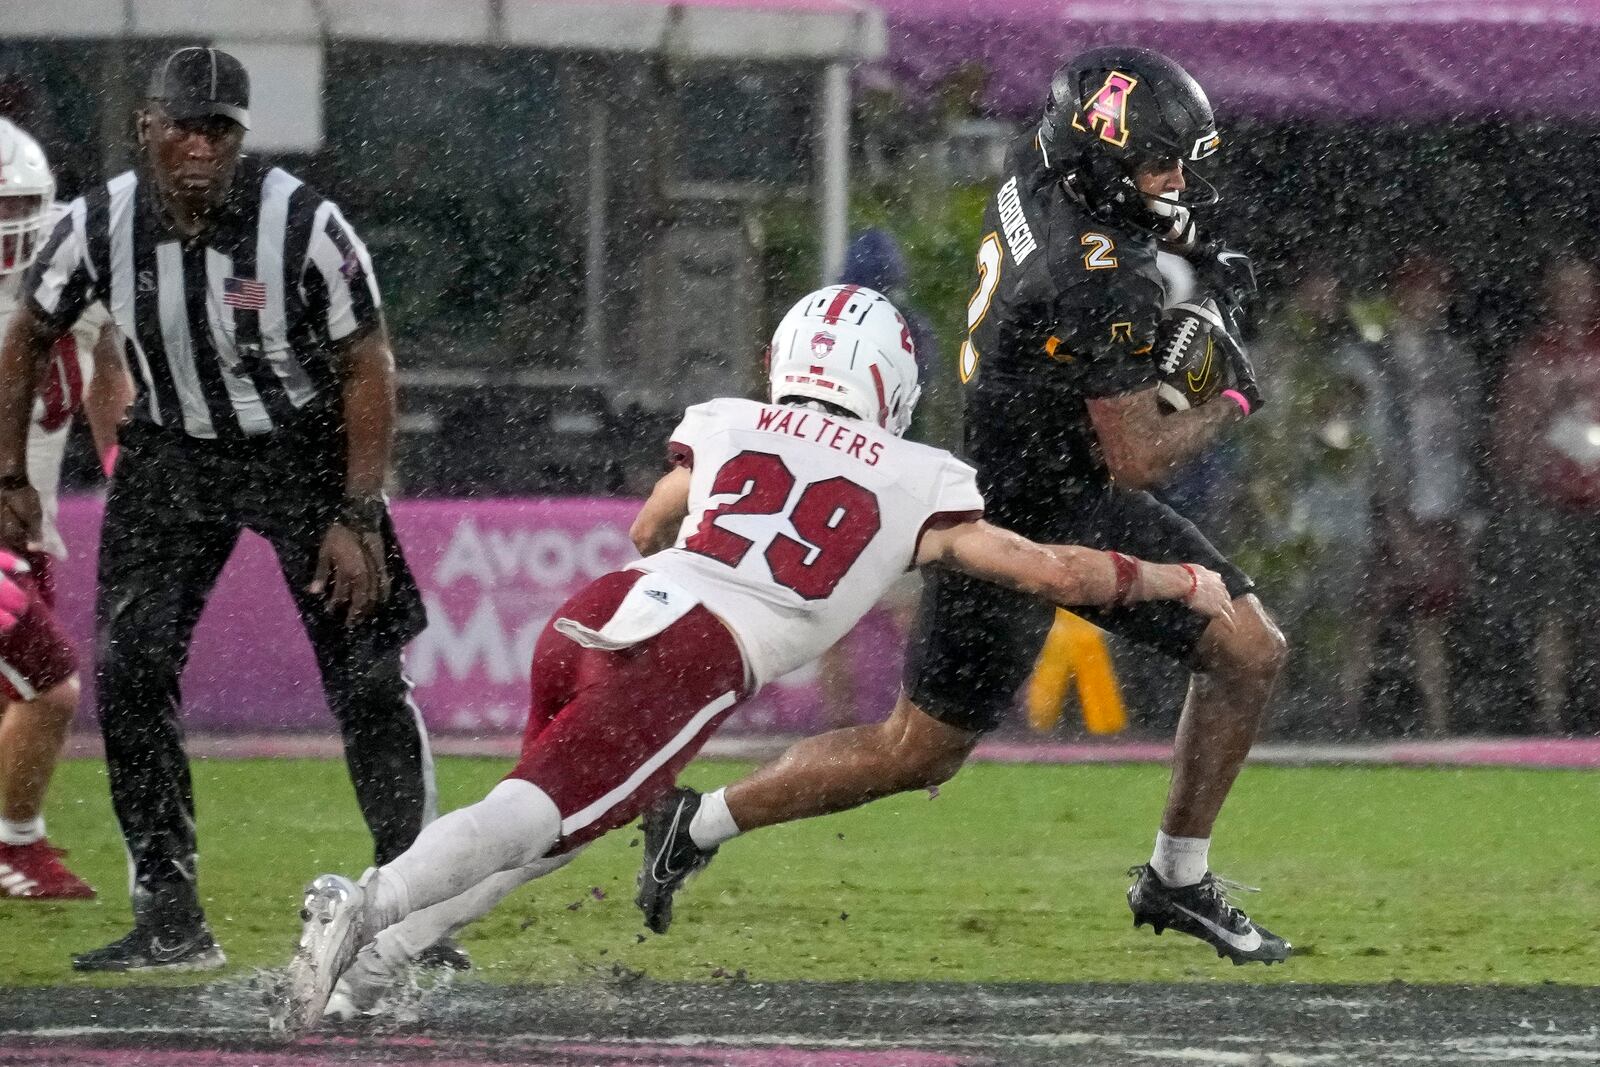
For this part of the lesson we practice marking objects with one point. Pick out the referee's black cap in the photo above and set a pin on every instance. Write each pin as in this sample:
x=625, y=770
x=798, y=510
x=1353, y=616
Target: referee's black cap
x=196, y=82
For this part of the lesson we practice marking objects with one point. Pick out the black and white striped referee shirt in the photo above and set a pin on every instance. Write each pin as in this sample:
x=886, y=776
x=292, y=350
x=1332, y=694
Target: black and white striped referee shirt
x=229, y=333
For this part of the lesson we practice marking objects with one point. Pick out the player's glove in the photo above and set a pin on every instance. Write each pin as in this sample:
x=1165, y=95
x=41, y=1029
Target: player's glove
x=1227, y=275
x=1241, y=386
x=14, y=599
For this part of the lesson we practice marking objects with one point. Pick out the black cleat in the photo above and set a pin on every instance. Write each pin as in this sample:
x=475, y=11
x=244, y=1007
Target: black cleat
x=147, y=949
x=670, y=855
x=445, y=954
x=1204, y=911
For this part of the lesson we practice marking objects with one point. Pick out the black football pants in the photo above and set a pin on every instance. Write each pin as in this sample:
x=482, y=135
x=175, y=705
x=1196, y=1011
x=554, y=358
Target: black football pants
x=175, y=511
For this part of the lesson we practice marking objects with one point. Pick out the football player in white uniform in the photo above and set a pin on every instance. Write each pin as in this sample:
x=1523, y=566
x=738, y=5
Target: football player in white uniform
x=778, y=527
x=38, y=669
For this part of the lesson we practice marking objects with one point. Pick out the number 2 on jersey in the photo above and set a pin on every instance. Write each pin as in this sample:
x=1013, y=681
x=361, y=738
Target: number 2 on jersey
x=989, y=256
x=838, y=517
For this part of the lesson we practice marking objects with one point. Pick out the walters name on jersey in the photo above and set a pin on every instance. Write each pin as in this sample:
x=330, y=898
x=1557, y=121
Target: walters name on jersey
x=61, y=390
x=799, y=522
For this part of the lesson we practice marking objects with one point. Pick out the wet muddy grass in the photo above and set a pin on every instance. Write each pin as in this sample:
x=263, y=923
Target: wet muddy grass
x=820, y=1024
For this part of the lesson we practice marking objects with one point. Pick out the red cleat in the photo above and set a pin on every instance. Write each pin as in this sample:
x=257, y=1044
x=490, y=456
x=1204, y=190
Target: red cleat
x=35, y=872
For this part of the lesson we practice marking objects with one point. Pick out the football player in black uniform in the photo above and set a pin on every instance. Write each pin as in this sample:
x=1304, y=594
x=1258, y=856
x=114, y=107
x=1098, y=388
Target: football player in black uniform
x=1065, y=429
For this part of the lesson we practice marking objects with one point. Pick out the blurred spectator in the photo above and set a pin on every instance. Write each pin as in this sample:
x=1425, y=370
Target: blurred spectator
x=1546, y=464
x=875, y=260
x=1423, y=391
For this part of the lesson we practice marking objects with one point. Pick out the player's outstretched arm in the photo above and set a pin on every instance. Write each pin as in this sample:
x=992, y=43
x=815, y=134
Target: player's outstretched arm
x=1143, y=445
x=656, y=527
x=1069, y=575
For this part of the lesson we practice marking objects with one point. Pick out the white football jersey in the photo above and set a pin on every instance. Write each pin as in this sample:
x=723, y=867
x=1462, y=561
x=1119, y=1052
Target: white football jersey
x=61, y=390
x=800, y=521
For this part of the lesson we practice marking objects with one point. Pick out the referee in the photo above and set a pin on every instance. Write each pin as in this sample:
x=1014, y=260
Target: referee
x=265, y=400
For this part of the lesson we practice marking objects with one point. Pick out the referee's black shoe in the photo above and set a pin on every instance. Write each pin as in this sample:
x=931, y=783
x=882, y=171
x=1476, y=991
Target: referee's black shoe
x=1203, y=910
x=148, y=947
x=670, y=855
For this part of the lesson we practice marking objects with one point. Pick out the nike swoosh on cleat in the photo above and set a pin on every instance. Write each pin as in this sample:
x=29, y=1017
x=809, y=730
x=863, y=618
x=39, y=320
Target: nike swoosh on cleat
x=1248, y=943
x=661, y=863
x=162, y=953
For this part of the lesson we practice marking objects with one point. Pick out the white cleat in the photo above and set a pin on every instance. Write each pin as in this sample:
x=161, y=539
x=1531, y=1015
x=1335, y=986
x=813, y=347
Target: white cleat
x=331, y=936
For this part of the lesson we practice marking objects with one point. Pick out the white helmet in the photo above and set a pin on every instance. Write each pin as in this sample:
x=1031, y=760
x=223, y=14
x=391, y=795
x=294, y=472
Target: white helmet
x=27, y=191
x=848, y=346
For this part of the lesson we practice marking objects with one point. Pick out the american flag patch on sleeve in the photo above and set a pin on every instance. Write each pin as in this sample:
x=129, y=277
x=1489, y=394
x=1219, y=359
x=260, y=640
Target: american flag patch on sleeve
x=245, y=293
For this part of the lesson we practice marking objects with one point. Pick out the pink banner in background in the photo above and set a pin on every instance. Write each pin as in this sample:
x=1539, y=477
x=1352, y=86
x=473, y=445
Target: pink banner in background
x=491, y=573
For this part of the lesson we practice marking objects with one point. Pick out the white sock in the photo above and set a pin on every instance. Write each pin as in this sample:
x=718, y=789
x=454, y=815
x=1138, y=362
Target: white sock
x=384, y=960
x=1180, y=860
x=25, y=832
x=402, y=942
x=713, y=822
x=516, y=824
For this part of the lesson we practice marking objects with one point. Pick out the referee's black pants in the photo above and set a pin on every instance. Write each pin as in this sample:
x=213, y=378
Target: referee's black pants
x=175, y=511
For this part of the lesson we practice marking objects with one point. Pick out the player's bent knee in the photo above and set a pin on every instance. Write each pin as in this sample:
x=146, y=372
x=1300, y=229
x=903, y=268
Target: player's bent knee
x=939, y=767
x=924, y=752
x=1253, y=646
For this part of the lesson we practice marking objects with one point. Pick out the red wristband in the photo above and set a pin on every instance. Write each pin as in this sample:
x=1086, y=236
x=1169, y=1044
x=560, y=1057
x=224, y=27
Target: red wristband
x=1238, y=398
x=1127, y=569
x=1194, y=582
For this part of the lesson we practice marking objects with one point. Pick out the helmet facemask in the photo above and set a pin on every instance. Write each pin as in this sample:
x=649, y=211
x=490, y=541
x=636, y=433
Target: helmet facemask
x=22, y=229
x=27, y=193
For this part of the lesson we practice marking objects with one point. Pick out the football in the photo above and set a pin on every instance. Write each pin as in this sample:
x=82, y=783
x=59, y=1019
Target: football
x=1189, y=368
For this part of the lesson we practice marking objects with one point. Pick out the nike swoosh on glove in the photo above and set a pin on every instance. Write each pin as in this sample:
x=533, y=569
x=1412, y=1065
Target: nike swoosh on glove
x=1228, y=275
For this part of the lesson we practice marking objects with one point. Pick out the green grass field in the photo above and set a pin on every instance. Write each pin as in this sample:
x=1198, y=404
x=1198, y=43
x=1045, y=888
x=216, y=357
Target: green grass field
x=1011, y=873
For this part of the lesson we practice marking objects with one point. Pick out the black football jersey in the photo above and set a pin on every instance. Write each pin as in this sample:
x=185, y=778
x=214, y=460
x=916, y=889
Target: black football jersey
x=1066, y=308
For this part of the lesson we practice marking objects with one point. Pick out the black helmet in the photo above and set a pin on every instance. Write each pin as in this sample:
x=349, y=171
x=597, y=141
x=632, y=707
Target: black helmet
x=1112, y=110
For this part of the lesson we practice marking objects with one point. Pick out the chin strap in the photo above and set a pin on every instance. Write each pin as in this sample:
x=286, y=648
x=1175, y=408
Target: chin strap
x=1168, y=221
x=1113, y=197
x=1181, y=237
